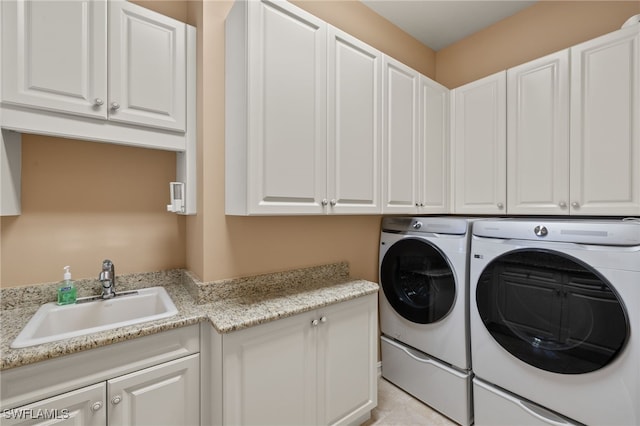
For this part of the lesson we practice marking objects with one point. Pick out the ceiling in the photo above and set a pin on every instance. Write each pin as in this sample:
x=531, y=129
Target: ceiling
x=439, y=23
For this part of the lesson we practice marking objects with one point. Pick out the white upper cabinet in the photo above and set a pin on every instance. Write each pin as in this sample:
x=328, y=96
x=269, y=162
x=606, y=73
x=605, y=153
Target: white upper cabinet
x=415, y=142
x=276, y=95
x=55, y=55
x=80, y=407
x=538, y=136
x=302, y=114
x=605, y=125
x=354, y=137
x=573, y=130
x=55, y=58
x=433, y=185
x=400, y=137
x=147, y=67
x=479, y=146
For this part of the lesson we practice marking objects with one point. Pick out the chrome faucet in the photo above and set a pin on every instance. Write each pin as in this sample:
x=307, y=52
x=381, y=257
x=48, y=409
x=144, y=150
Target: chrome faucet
x=107, y=278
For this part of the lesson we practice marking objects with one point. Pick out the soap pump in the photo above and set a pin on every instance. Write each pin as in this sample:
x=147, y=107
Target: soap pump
x=66, y=289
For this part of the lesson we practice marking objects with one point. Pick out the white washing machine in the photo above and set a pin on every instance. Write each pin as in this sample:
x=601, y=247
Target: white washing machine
x=424, y=310
x=555, y=321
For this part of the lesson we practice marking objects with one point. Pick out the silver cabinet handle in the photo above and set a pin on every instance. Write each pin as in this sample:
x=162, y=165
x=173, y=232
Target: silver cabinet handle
x=96, y=406
x=562, y=205
x=314, y=322
x=325, y=202
x=323, y=319
x=333, y=203
x=115, y=106
x=500, y=206
x=116, y=400
x=98, y=102
x=575, y=205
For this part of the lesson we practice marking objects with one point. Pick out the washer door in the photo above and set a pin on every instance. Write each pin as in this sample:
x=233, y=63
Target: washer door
x=552, y=311
x=418, y=281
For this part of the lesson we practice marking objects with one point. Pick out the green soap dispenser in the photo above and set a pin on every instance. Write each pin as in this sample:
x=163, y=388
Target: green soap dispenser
x=67, y=289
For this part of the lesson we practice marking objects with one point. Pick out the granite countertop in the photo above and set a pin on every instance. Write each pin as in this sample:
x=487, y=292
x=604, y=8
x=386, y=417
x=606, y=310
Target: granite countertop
x=228, y=305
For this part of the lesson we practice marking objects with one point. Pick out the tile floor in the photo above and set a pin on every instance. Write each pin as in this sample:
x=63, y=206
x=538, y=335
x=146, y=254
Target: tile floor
x=395, y=407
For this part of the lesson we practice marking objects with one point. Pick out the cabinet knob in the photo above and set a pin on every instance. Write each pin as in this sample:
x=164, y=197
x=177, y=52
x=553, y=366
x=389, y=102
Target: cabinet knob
x=116, y=400
x=96, y=406
x=333, y=203
x=115, y=106
x=325, y=202
x=323, y=319
x=417, y=204
x=98, y=102
x=500, y=206
x=314, y=322
x=562, y=205
x=575, y=205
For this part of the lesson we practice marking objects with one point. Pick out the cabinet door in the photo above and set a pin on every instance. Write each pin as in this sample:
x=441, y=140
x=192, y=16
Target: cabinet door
x=354, y=126
x=434, y=145
x=147, y=67
x=538, y=136
x=166, y=394
x=82, y=407
x=605, y=128
x=54, y=55
x=479, y=144
x=347, y=359
x=269, y=374
x=400, y=137
x=287, y=109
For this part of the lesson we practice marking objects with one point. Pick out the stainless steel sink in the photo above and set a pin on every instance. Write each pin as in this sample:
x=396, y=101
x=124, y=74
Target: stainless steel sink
x=53, y=322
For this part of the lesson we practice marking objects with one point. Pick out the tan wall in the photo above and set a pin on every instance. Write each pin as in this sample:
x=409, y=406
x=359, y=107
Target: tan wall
x=545, y=27
x=83, y=202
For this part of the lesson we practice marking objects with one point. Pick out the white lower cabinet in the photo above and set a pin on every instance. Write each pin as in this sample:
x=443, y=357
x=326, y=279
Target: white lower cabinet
x=81, y=407
x=166, y=394
x=318, y=367
x=153, y=380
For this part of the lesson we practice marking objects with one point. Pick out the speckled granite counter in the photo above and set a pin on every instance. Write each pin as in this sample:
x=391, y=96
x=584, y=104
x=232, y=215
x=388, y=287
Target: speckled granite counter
x=228, y=305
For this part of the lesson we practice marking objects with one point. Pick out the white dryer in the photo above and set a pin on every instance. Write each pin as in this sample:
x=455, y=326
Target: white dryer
x=555, y=321
x=424, y=310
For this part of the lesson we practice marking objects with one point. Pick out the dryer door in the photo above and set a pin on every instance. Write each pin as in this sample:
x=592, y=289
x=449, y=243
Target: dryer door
x=418, y=281
x=552, y=311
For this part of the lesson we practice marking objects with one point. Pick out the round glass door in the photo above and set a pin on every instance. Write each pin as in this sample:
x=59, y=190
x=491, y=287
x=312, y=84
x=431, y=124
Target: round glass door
x=418, y=281
x=552, y=311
